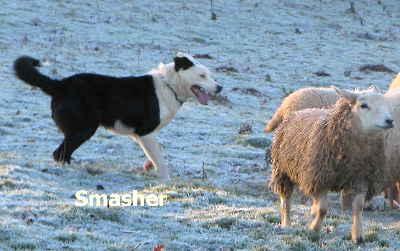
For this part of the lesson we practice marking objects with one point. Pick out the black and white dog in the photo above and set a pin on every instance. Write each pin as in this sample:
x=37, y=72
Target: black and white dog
x=135, y=106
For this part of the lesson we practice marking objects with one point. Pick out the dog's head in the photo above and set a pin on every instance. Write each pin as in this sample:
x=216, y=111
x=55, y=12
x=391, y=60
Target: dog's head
x=196, y=79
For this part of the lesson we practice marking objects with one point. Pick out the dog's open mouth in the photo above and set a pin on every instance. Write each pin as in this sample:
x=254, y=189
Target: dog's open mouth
x=200, y=94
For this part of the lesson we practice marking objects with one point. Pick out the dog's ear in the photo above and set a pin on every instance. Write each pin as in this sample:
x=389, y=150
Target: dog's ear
x=182, y=62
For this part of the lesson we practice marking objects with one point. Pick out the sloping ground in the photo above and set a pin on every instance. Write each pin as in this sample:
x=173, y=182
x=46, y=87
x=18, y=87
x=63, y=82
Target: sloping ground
x=260, y=51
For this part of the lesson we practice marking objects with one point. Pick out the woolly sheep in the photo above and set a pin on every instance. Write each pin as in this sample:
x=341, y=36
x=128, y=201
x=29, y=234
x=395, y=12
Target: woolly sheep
x=323, y=150
x=311, y=97
x=392, y=149
x=314, y=97
x=392, y=192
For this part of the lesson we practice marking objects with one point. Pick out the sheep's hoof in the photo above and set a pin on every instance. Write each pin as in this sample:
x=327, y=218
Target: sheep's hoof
x=358, y=240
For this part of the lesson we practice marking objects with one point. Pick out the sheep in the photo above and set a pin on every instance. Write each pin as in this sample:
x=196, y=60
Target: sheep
x=322, y=150
x=311, y=97
x=392, y=149
x=392, y=193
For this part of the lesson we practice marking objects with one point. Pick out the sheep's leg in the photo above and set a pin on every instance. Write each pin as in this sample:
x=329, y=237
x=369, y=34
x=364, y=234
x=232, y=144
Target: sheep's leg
x=358, y=205
x=314, y=207
x=285, y=210
x=397, y=193
x=347, y=197
x=319, y=210
x=390, y=193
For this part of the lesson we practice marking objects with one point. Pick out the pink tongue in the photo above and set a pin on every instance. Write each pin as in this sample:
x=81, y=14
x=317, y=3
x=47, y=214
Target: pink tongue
x=202, y=97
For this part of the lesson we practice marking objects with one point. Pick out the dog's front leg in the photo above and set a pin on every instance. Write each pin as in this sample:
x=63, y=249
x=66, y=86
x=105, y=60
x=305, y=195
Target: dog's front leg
x=153, y=151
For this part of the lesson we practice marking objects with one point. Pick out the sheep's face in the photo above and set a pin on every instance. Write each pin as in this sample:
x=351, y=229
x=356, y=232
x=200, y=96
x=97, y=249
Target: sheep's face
x=374, y=111
x=372, y=108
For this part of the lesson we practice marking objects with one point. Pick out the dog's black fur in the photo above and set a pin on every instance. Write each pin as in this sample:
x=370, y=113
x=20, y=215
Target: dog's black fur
x=182, y=63
x=82, y=102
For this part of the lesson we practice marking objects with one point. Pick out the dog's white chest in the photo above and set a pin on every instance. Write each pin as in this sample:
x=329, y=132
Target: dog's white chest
x=168, y=105
x=166, y=115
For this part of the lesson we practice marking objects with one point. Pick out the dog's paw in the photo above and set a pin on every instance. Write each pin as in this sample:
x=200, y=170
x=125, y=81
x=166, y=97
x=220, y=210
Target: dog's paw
x=148, y=166
x=59, y=156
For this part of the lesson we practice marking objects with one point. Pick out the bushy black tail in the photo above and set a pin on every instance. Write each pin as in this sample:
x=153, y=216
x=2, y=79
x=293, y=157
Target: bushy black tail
x=25, y=70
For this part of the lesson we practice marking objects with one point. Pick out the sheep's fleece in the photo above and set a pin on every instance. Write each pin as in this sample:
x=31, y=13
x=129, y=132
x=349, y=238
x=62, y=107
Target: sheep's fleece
x=322, y=149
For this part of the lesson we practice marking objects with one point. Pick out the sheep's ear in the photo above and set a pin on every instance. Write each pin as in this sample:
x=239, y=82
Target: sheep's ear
x=182, y=62
x=350, y=96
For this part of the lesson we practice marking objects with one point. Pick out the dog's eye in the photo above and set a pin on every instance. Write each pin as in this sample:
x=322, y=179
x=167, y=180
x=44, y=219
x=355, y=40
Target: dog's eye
x=203, y=76
x=364, y=106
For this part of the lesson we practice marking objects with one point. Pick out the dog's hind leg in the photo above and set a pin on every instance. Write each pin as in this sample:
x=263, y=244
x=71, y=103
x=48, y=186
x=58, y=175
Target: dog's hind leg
x=71, y=143
x=153, y=151
x=76, y=120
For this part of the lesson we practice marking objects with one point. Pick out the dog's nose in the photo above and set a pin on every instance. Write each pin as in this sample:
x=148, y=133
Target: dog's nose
x=219, y=88
x=389, y=123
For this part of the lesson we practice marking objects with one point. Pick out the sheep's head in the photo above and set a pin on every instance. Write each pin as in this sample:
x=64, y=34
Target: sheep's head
x=373, y=109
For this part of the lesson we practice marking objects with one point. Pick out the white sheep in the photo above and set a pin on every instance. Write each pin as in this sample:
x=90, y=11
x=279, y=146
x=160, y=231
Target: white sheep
x=323, y=150
x=311, y=97
x=392, y=191
x=315, y=97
